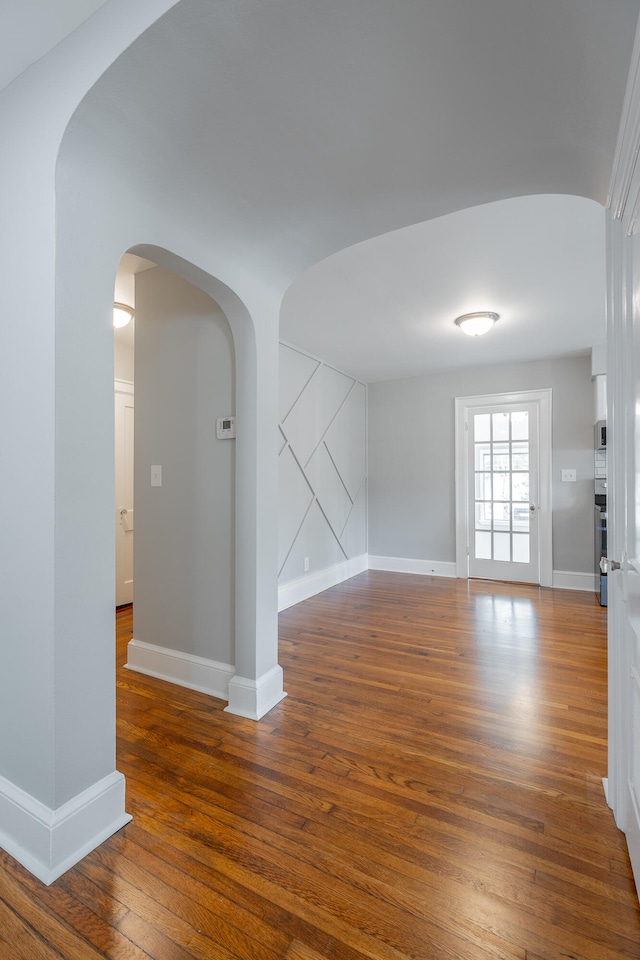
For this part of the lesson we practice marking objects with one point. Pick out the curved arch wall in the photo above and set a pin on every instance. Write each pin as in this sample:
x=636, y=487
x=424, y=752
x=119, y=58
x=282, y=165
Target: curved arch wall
x=61, y=240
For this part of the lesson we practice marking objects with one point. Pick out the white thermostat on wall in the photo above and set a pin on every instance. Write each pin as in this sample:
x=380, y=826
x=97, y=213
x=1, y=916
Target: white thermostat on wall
x=226, y=428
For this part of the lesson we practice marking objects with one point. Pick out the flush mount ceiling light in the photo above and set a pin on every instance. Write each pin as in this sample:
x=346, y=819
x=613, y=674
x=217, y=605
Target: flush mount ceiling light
x=475, y=324
x=122, y=314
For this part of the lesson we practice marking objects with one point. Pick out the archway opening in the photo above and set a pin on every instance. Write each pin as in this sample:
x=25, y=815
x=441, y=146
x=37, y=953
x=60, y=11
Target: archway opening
x=183, y=480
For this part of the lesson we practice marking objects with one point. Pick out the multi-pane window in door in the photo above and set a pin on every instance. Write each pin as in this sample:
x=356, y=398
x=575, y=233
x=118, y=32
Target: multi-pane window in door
x=501, y=476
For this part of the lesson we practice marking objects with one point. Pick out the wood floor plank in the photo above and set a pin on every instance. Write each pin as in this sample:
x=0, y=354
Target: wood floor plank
x=430, y=789
x=50, y=916
x=20, y=941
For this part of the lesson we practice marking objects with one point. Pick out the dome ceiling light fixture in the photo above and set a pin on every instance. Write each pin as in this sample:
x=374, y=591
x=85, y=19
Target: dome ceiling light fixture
x=476, y=324
x=122, y=314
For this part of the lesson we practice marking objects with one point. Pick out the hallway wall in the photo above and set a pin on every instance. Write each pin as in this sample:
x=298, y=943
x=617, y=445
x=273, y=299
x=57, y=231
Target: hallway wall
x=184, y=588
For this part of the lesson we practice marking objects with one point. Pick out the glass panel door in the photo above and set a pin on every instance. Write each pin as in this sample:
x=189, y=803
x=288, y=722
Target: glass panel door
x=503, y=461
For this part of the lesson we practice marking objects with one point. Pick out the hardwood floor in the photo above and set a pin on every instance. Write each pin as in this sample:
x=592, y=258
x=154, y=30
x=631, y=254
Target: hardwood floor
x=430, y=788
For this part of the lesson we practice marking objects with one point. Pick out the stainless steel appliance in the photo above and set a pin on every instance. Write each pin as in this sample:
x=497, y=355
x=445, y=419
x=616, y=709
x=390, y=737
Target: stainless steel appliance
x=600, y=527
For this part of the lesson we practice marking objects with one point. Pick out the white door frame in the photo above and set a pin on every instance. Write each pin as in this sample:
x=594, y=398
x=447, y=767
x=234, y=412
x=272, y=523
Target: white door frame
x=463, y=405
x=124, y=388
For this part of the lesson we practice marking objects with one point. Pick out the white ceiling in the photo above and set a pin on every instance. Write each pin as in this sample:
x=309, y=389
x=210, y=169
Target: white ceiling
x=30, y=28
x=385, y=308
x=285, y=133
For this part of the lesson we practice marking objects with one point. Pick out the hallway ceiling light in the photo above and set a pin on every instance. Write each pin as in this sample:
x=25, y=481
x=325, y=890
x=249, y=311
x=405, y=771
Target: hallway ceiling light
x=122, y=314
x=475, y=324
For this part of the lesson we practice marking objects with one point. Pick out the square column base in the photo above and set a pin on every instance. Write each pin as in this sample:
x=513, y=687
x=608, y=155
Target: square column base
x=48, y=842
x=253, y=698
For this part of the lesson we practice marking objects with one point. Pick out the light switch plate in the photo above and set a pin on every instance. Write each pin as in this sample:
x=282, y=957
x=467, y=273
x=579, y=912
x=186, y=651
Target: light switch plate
x=569, y=476
x=156, y=475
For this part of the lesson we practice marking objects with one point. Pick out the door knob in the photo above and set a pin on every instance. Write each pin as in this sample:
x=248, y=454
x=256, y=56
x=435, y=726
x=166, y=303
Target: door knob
x=608, y=566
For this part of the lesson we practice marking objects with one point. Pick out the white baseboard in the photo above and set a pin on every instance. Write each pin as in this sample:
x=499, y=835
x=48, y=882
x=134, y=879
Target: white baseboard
x=565, y=580
x=427, y=568
x=48, y=842
x=253, y=698
x=246, y=698
x=562, y=579
x=301, y=589
x=196, y=673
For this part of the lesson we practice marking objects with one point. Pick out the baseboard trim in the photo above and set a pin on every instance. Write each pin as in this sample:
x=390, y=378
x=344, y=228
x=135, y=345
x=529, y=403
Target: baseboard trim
x=49, y=842
x=184, y=669
x=566, y=580
x=426, y=568
x=562, y=579
x=301, y=589
x=253, y=698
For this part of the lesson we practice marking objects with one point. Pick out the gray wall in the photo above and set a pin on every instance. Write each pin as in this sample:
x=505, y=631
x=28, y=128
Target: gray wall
x=411, y=458
x=184, y=530
x=322, y=465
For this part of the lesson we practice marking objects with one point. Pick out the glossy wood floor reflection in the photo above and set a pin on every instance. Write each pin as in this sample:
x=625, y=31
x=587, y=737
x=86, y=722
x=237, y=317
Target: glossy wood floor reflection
x=430, y=788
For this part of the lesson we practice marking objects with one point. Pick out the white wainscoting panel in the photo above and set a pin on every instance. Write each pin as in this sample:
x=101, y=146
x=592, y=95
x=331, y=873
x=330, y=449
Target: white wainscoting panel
x=322, y=445
x=298, y=370
x=295, y=499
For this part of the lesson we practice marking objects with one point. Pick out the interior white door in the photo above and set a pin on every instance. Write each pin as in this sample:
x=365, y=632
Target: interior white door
x=503, y=488
x=623, y=513
x=124, y=492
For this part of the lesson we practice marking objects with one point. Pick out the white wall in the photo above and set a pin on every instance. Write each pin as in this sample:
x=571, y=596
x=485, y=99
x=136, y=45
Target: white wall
x=71, y=201
x=123, y=353
x=184, y=589
x=411, y=458
x=57, y=690
x=322, y=466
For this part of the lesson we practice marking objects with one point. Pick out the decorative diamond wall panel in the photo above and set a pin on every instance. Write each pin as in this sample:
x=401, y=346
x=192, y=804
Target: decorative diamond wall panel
x=329, y=489
x=346, y=439
x=311, y=416
x=295, y=498
x=354, y=537
x=326, y=549
x=322, y=444
x=296, y=369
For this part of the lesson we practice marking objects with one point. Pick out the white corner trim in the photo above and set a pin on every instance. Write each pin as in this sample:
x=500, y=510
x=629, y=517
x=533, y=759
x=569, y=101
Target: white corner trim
x=566, y=580
x=196, y=673
x=294, y=591
x=48, y=842
x=426, y=568
x=253, y=698
x=626, y=152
